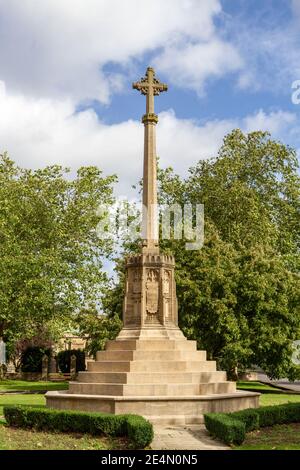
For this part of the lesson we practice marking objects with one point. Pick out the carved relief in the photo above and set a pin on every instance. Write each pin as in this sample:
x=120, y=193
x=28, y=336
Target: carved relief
x=136, y=283
x=152, y=295
x=166, y=282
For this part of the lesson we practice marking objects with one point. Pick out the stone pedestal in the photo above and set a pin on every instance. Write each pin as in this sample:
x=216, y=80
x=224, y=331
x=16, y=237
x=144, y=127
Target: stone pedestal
x=151, y=368
x=165, y=380
x=150, y=303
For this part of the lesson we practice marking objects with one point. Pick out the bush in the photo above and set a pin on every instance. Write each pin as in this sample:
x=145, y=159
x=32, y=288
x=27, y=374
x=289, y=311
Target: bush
x=31, y=358
x=64, y=360
x=135, y=427
x=232, y=427
x=137, y=431
x=225, y=427
x=281, y=414
x=249, y=417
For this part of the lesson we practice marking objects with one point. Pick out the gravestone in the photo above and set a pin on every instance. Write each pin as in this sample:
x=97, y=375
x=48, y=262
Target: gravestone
x=45, y=364
x=53, y=365
x=73, y=366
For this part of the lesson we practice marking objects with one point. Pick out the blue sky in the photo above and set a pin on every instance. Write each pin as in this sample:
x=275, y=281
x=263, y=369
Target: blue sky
x=67, y=66
x=222, y=99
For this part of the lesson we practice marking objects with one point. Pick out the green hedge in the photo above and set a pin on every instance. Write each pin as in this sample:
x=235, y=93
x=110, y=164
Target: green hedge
x=232, y=427
x=135, y=427
x=225, y=427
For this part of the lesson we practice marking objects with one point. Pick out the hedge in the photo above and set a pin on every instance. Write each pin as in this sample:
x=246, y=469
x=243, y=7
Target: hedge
x=232, y=427
x=225, y=427
x=135, y=427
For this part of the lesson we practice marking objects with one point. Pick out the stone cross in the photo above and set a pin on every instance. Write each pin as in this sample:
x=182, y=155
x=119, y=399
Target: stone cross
x=150, y=86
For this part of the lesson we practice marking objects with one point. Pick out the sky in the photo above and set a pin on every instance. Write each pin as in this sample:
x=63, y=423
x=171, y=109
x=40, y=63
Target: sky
x=67, y=67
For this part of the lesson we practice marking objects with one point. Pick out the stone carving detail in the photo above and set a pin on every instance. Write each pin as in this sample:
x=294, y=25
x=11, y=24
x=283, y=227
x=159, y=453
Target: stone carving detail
x=136, y=281
x=166, y=282
x=152, y=295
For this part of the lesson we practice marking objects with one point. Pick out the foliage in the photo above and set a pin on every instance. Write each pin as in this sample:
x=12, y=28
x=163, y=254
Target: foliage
x=16, y=348
x=64, y=360
x=137, y=428
x=50, y=254
x=225, y=427
x=249, y=417
x=31, y=359
x=232, y=427
x=97, y=329
x=239, y=295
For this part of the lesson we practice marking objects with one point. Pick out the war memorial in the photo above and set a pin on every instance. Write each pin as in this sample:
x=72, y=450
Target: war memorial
x=151, y=369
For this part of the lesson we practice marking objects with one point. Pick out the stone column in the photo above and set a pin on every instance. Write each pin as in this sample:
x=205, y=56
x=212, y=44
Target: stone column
x=150, y=304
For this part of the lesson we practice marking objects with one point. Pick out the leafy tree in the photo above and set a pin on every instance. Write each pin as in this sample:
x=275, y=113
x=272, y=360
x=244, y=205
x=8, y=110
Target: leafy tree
x=50, y=254
x=239, y=295
x=97, y=329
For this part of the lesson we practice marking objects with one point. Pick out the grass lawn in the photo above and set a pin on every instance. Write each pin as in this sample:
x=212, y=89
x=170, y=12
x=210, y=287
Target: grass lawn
x=27, y=439
x=24, y=385
x=278, y=437
x=258, y=386
x=21, y=439
x=278, y=399
x=12, y=399
x=269, y=395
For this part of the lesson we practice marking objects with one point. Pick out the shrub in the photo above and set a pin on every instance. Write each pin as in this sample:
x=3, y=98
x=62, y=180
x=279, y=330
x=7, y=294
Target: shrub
x=225, y=427
x=231, y=427
x=64, y=360
x=281, y=414
x=249, y=417
x=135, y=427
x=31, y=358
x=139, y=431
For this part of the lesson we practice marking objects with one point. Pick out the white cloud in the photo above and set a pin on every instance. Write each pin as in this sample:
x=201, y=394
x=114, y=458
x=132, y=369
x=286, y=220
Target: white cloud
x=190, y=65
x=60, y=47
x=268, y=42
x=276, y=122
x=39, y=132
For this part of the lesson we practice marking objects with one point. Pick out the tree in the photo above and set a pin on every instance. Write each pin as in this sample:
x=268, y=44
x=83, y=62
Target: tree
x=97, y=329
x=50, y=255
x=239, y=295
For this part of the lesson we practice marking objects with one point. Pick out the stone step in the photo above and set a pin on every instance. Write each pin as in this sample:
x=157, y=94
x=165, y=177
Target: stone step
x=108, y=366
x=216, y=387
x=151, y=377
x=140, y=355
x=161, y=410
x=151, y=345
x=103, y=377
x=153, y=390
x=151, y=366
x=172, y=366
x=177, y=420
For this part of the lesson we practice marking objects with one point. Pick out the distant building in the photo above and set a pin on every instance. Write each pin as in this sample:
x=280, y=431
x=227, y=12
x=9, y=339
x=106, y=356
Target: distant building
x=70, y=341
